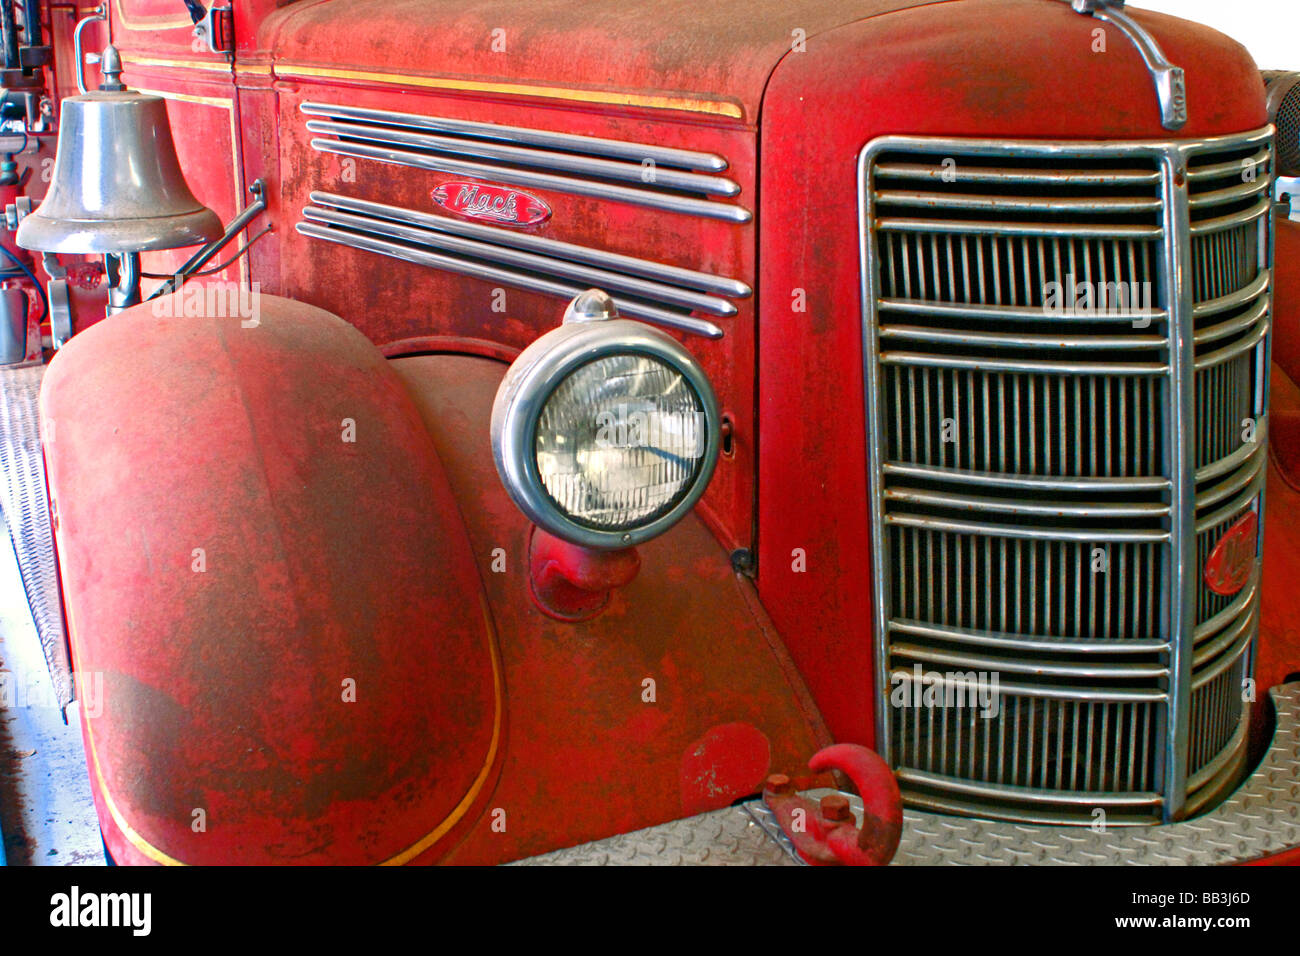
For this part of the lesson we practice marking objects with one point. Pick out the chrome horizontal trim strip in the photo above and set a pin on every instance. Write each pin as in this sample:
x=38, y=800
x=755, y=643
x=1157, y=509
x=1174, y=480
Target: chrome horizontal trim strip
x=1088, y=798
x=1234, y=325
x=1063, y=149
x=1024, y=642
x=1020, y=531
x=1234, y=507
x=1231, y=168
x=1019, y=341
x=1033, y=483
x=1069, y=230
x=594, y=146
x=1230, y=194
x=1000, y=665
x=1257, y=287
x=1014, y=204
x=931, y=807
x=1225, y=617
x=987, y=174
x=561, y=268
x=1224, y=757
x=1229, y=352
x=1234, y=632
x=982, y=503
x=525, y=156
x=506, y=276
x=519, y=177
x=1223, y=662
x=674, y=275
x=1051, y=691
x=1257, y=211
x=1024, y=365
x=1229, y=488
x=1015, y=313
x=1226, y=464
x=1214, y=790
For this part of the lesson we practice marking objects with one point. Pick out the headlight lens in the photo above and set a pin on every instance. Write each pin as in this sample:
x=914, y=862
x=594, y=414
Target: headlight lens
x=620, y=442
x=605, y=431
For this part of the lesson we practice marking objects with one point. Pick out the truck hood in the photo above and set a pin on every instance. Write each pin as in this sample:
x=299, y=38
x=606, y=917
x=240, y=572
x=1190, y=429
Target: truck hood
x=719, y=52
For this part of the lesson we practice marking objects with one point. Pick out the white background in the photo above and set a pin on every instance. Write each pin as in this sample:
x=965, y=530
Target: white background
x=1269, y=29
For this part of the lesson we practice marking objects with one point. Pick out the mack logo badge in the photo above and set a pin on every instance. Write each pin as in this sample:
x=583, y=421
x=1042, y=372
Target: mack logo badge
x=498, y=204
x=1233, y=559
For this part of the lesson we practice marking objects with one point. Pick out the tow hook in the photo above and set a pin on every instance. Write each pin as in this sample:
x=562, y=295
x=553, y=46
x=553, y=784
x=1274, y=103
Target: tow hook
x=826, y=833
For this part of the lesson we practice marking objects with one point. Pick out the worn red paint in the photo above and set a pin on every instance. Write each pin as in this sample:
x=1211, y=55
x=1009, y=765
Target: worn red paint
x=229, y=590
x=492, y=203
x=1232, y=562
x=594, y=749
x=729, y=762
x=934, y=69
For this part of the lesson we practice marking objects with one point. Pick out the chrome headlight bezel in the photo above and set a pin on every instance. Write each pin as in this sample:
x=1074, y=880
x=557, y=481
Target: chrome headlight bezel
x=533, y=378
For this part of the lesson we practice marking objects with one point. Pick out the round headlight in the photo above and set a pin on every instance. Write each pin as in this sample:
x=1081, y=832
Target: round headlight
x=605, y=431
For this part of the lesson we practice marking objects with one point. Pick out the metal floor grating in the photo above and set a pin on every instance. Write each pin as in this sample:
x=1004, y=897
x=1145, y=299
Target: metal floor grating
x=26, y=510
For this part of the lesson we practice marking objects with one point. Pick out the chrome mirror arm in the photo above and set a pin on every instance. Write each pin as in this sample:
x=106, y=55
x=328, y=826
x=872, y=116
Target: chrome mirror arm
x=205, y=254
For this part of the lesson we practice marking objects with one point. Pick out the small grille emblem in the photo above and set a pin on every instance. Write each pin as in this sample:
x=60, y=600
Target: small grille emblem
x=1232, y=561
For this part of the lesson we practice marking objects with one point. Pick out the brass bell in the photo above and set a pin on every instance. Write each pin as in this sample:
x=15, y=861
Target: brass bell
x=117, y=185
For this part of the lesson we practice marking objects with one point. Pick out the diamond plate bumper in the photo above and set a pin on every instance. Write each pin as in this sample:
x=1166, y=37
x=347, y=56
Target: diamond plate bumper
x=1261, y=819
x=729, y=837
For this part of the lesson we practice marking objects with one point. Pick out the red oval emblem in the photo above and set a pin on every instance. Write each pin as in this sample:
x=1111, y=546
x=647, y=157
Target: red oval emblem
x=499, y=204
x=1232, y=561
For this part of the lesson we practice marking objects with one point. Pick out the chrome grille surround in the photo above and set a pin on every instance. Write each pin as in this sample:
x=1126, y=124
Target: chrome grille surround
x=1069, y=438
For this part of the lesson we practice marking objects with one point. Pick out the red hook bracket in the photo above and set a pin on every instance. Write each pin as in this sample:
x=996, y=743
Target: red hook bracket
x=825, y=833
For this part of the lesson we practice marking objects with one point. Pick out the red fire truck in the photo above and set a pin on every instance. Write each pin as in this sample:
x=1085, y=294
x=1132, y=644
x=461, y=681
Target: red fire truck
x=828, y=431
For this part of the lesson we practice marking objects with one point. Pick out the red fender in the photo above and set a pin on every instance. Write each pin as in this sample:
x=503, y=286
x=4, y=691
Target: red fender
x=280, y=634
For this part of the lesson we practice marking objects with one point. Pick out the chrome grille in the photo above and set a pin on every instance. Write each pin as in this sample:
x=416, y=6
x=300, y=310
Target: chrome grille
x=1065, y=352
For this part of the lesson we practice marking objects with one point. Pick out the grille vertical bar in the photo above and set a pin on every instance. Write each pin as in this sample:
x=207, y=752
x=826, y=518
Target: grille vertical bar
x=1066, y=355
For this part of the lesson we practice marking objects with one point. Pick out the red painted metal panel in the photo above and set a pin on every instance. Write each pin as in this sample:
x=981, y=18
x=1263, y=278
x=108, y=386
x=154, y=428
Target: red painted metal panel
x=231, y=561
x=1286, y=298
x=391, y=300
x=587, y=755
x=617, y=54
